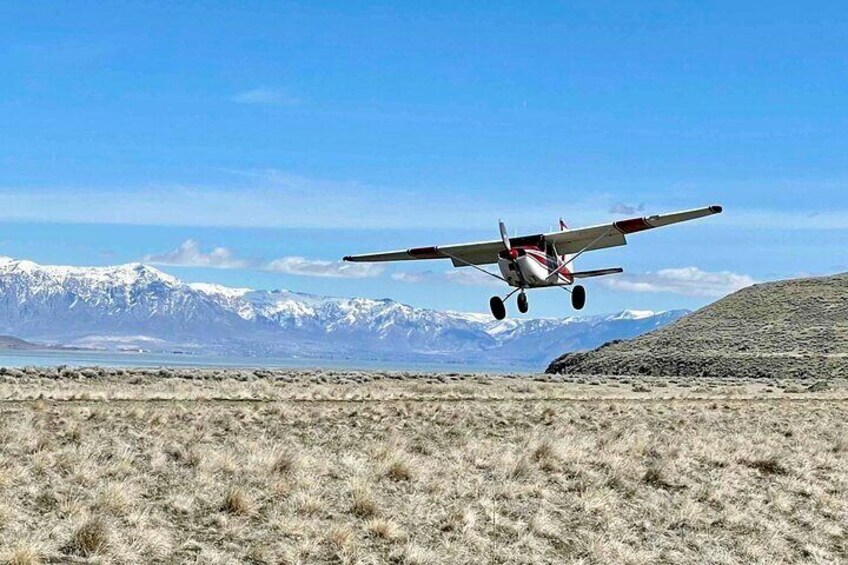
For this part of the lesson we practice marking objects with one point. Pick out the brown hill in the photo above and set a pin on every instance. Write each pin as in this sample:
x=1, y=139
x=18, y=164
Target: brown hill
x=795, y=328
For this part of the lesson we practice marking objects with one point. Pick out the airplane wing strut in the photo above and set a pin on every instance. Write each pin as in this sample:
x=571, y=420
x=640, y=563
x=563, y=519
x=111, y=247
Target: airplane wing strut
x=469, y=264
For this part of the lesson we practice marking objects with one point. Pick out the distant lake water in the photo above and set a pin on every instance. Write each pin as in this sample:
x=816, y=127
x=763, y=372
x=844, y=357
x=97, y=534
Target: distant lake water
x=40, y=358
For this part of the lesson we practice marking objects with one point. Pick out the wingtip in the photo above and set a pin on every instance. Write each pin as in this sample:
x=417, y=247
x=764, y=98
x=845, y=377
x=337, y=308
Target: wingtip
x=716, y=209
x=347, y=258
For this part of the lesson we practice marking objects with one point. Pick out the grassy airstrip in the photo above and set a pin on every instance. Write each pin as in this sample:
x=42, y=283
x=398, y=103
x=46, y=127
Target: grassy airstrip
x=190, y=466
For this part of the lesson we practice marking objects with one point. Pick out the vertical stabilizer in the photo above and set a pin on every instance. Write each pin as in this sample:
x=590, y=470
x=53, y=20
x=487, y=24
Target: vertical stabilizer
x=565, y=258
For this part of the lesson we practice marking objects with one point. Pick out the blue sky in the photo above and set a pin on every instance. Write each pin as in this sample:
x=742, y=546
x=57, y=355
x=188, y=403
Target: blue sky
x=286, y=135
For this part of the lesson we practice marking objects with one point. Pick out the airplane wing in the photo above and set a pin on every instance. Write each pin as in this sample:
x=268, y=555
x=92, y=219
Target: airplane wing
x=566, y=242
x=479, y=253
x=614, y=234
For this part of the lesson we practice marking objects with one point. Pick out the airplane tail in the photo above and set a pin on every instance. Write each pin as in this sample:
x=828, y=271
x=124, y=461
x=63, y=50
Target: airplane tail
x=565, y=258
x=597, y=273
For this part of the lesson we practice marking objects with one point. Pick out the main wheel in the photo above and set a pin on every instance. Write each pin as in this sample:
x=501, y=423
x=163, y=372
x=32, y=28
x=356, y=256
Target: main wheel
x=498, y=308
x=523, y=306
x=578, y=297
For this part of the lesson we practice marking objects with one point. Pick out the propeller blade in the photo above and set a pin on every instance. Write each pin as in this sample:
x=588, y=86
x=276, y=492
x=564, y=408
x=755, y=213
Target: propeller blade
x=505, y=236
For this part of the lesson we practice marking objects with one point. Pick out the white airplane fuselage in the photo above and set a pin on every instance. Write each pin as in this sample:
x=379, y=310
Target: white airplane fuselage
x=530, y=267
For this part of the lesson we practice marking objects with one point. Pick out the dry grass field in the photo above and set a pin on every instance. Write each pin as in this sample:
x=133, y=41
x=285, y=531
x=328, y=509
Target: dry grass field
x=286, y=467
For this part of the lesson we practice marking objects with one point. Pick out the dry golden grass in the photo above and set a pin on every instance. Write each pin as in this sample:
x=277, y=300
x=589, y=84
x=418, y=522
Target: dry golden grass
x=470, y=470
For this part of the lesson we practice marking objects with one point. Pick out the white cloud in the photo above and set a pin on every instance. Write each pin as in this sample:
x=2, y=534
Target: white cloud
x=189, y=254
x=318, y=268
x=265, y=97
x=688, y=281
x=415, y=278
x=271, y=198
x=622, y=209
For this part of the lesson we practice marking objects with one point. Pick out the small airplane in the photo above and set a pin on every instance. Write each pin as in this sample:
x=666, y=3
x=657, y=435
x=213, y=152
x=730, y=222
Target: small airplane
x=542, y=260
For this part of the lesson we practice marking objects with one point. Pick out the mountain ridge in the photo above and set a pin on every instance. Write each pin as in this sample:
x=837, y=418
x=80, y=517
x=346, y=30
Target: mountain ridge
x=135, y=306
x=12, y=342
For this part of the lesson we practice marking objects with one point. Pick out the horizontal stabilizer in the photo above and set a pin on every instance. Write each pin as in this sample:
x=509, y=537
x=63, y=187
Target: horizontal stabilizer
x=597, y=273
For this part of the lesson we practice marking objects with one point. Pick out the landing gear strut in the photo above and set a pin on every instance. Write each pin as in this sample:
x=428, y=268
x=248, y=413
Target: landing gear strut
x=497, y=304
x=578, y=297
x=498, y=308
x=523, y=307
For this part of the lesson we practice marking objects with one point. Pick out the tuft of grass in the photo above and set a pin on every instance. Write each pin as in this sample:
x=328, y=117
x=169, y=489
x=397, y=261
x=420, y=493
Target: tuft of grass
x=188, y=456
x=342, y=540
x=115, y=499
x=399, y=470
x=92, y=538
x=237, y=502
x=519, y=468
x=818, y=386
x=656, y=476
x=23, y=555
x=307, y=504
x=261, y=554
x=286, y=462
x=384, y=529
x=544, y=450
x=543, y=526
x=413, y=555
x=545, y=455
x=458, y=520
x=768, y=465
x=363, y=503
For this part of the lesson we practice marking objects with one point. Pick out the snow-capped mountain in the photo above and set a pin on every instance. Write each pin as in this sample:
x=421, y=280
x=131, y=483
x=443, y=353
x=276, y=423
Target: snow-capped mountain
x=136, y=306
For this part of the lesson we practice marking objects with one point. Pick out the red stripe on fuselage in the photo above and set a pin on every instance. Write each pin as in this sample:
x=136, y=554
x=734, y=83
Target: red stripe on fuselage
x=548, y=262
x=538, y=256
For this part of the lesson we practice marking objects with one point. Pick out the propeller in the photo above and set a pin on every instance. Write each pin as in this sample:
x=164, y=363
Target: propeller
x=505, y=237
